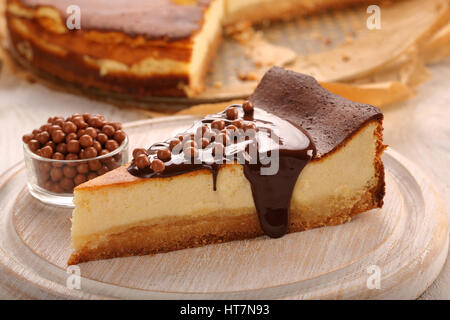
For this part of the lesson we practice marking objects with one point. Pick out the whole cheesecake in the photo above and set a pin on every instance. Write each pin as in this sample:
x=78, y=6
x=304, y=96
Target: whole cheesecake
x=138, y=47
x=177, y=194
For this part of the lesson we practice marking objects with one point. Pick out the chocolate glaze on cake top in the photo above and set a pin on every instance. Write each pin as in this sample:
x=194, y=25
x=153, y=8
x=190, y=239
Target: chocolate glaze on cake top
x=154, y=19
x=271, y=150
x=288, y=120
x=328, y=118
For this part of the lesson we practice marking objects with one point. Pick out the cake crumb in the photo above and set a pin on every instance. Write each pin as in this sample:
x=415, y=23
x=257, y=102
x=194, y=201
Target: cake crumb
x=248, y=76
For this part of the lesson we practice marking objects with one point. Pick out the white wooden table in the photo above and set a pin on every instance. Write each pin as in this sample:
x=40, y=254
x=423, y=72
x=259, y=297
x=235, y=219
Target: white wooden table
x=418, y=128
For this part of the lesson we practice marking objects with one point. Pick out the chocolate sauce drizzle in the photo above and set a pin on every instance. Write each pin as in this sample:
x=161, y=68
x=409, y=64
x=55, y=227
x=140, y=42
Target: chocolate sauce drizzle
x=282, y=150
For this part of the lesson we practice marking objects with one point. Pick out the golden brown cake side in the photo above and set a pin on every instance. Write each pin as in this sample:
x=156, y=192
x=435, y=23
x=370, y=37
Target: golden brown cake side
x=111, y=60
x=178, y=232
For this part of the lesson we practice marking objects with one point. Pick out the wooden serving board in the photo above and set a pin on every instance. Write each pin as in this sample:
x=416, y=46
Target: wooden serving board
x=405, y=243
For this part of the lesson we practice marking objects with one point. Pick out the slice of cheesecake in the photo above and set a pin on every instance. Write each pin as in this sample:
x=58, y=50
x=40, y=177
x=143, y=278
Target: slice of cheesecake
x=177, y=194
x=138, y=47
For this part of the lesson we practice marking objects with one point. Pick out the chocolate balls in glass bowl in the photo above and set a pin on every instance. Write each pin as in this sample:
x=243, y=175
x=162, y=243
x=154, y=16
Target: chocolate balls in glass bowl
x=66, y=152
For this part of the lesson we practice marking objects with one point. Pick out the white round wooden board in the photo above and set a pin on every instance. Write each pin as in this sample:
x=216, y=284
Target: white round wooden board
x=406, y=241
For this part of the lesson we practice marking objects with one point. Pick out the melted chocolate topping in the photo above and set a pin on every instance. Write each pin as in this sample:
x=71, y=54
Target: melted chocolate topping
x=154, y=19
x=295, y=120
x=273, y=156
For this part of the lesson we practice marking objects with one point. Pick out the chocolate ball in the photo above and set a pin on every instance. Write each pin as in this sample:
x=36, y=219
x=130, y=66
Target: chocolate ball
x=44, y=166
x=34, y=145
x=27, y=137
x=54, y=128
x=119, y=136
x=56, y=174
x=79, y=179
x=102, y=138
x=47, y=152
x=43, y=176
x=69, y=127
x=86, y=116
x=80, y=133
x=69, y=172
x=86, y=141
x=61, y=147
x=72, y=156
x=96, y=122
x=92, y=175
x=117, y=125
x=59, y=122
x=94, y=165
x=104, y=169
x=73, y=146
x=111, y=145
x=52, y=145
x=218, y=124
x=43, y=137
x=108, y=130
x=248, y=107
x=90, y=152
x=158, y=166
x=164, y=154
x=73, y=116
x=91, y=132
x=173, y=143
x=142, y=161
x=138, y=151
x=83, y=168
x=80, y=123
x=58, y=156
x=232, y=113
x=58, y=136
x=56, y=188
x=45, y=127
x=67, y=184
x=97, y=145
x=71, y=136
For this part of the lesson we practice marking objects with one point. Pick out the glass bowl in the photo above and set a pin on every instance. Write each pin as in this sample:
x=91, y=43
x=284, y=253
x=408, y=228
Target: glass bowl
x=52, y=181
